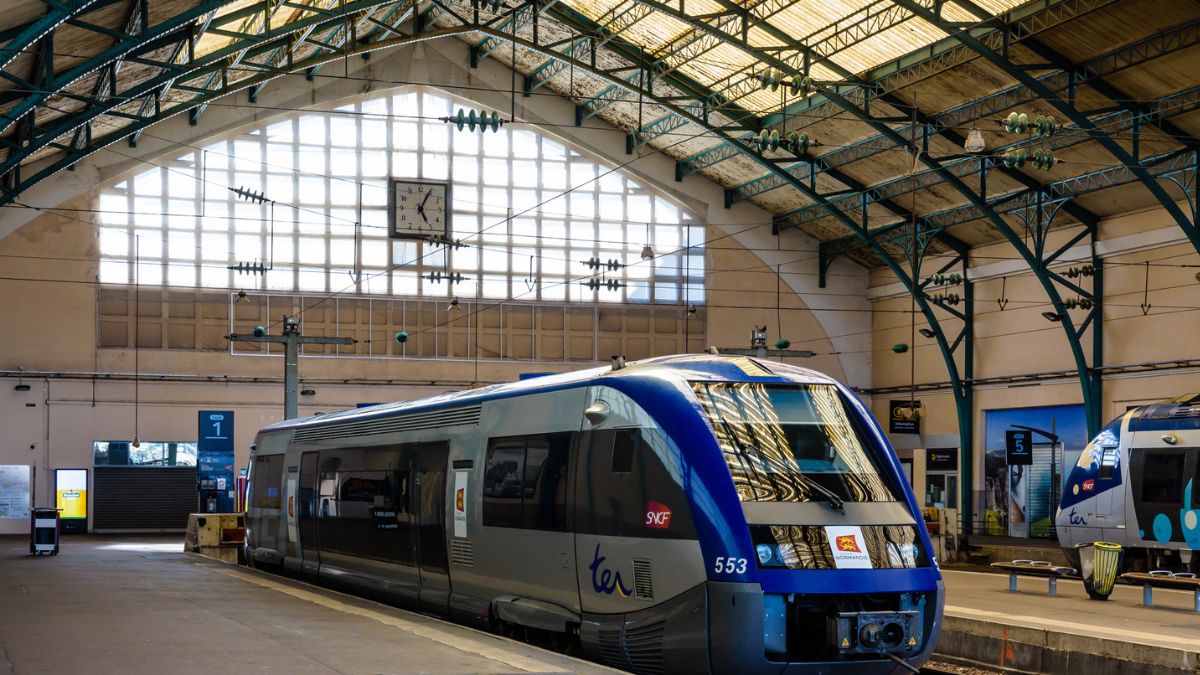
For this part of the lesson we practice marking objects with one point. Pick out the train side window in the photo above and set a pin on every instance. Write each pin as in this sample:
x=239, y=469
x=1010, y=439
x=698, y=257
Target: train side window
x=1196, y=484
x=268, y=482
x=544, y=505
x=625, y=444
x=1108, y=461
x=1161, y=478
x=503, y=482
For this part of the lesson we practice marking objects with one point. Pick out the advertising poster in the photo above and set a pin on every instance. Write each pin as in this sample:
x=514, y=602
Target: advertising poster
x=460, y=502
x=14, y=491
x=70, y=492
x=1020, y=499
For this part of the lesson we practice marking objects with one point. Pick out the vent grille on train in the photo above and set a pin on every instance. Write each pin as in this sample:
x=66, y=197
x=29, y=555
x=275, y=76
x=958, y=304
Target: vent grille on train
x=643, y=585
x=412, y=422
x=611, y=650
x=644, y=647
x=1185, y=411
x=462, y=552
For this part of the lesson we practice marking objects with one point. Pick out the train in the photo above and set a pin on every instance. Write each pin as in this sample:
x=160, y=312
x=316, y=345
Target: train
x=1136, y=484
x=691, y=513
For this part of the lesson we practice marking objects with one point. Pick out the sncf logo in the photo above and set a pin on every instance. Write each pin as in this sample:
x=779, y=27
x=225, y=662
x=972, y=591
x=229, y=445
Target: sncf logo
x=460, y=499
x=1089, y=485
x=658, y=516
x=848, y=543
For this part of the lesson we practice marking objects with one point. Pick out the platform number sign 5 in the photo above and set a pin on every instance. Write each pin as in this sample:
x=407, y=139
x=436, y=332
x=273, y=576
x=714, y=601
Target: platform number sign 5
x=729, y=565
x=1018, y=447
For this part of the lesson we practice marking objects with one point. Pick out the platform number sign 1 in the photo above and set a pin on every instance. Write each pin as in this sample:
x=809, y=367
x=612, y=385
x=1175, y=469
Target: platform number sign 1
x=214, y=462
x=1018, y=447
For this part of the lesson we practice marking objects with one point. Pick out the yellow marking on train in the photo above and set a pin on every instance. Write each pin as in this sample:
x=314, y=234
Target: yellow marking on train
x=435, y=633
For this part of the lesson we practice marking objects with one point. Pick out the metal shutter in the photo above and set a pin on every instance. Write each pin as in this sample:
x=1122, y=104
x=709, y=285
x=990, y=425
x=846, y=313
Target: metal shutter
x=143, y=498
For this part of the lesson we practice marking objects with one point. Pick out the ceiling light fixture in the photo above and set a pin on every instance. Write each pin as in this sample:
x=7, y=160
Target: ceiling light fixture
x=927, y=332
x=455, y=306
x=1052, y=316
x=974, y=142
x=308, y=392
x=647, y=252
x=242, y=298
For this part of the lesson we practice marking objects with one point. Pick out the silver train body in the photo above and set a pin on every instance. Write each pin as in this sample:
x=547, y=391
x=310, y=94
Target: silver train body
x=602, y=506
x=1138, y=484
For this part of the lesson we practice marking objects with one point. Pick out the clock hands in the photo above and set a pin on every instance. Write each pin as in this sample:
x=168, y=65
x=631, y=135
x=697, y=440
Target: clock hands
x=421, y=206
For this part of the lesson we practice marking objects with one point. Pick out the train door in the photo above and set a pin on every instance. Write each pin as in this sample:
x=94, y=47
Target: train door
x=306, y=507
x=1110, y=502
x=428, y=476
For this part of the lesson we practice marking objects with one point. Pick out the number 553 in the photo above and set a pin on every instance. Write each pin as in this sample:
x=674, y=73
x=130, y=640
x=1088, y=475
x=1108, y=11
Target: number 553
x=729, y=565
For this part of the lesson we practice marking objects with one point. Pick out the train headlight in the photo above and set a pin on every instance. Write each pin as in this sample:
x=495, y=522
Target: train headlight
x=764, y=553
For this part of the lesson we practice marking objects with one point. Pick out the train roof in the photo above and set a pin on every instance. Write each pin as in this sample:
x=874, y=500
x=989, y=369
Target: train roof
x=684, y=367
x=1180, y=407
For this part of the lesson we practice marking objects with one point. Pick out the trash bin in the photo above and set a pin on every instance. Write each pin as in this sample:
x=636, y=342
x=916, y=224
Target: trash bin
x=44, y=531
x=1099, y=563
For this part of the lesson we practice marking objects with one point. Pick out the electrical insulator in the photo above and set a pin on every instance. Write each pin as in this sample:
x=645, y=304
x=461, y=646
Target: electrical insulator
x=951, y=279
x=1016, y=123
x=947, y=299
x=1014, y=159
x=769, y=79
x=1081, y=303
x=1044, y=126
x=796, y=143
x=473, y=119
x=801, y=85
x=249, y=268
x=1044, y=160
x=1076, y=272
x=438, y=277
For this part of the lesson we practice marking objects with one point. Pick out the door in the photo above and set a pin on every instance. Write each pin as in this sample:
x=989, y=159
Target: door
x=306, y=506
x=429, y=509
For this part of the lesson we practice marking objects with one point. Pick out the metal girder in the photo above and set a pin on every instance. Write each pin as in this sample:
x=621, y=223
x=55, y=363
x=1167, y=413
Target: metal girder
x=179, y=74
x=881, y=127
x=1063, y=82
x=21, y=38
x=1022, y=22
x=795, y=59
x=1066, y=108
x=167, y=28
x=1153, y=112
x=1033, y=17
x=1165, y=166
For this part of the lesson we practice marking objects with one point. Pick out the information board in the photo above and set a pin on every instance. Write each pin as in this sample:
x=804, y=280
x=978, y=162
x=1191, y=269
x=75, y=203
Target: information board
x=214, y=462
x=941, y=460
x=898, y=422
x=14, y=491
x=1018, y=447
x=70, y=497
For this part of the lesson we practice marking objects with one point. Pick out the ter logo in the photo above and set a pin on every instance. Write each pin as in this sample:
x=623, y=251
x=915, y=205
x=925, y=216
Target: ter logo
x=848, y=543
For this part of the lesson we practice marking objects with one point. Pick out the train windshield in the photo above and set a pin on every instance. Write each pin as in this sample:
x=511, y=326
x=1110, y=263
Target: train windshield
x=791, y=443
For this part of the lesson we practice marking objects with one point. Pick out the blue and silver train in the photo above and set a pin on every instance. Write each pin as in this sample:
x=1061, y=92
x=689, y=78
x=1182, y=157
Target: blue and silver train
x=696, y=513
x=1138, y=484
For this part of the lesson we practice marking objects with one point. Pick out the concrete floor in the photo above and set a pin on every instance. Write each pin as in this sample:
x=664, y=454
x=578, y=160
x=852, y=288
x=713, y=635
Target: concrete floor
x=1171, y=623
x=141, y=605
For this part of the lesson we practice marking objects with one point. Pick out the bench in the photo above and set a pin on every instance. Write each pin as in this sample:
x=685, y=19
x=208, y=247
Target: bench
x=1036, y=568
x=1184, y=581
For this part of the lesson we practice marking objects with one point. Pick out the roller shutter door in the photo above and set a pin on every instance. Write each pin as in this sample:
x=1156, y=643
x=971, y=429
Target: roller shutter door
x=143, y=498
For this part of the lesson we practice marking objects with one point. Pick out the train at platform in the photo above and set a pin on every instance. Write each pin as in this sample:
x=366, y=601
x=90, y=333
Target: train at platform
x=1137, y=484
x=694, y=513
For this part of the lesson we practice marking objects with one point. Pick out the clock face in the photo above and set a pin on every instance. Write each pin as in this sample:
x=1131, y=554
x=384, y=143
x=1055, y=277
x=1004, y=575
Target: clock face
x=418, y=209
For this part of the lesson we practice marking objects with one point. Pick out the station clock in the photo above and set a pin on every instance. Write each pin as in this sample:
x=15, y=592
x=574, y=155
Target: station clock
x=418, y=208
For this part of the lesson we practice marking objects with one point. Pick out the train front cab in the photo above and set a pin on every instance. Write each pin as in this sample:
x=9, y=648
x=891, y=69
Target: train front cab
x=812, y=557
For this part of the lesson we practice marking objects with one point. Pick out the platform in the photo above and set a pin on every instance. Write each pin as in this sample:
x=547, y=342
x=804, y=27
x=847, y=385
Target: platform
x=141, y=605
x=1030, y=631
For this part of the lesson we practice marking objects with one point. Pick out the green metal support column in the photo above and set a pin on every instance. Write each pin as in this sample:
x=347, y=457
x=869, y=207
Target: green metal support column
x=964, y=402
